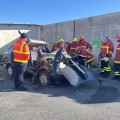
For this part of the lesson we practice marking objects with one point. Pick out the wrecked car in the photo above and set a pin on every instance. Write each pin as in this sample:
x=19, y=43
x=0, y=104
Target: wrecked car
x=46, y=66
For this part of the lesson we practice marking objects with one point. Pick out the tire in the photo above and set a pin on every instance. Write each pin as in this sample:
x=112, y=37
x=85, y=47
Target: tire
x=10, y=71
x=44, y=79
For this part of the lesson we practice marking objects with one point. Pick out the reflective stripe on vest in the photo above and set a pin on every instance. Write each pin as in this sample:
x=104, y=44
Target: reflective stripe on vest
x=118, y=48
x=90, y=60
x=82, y=46
x=118, y=62
x=25, y=61
x=73, y=48
x=21, y=52
x=106, y=48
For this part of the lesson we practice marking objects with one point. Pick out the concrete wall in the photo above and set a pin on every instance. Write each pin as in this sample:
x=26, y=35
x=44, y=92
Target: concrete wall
x=9, y=33
x=92, y=28
x=58, y=30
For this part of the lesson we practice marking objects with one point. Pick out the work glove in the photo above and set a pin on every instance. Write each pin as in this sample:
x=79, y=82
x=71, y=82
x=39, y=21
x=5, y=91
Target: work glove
x=109, y=56
x=106, y=59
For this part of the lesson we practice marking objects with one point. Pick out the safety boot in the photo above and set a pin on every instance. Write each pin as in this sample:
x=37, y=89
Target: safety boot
x=21, y=88
x=115, y=78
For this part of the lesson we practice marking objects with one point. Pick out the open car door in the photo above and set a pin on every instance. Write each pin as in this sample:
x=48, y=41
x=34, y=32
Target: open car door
x=75, y=74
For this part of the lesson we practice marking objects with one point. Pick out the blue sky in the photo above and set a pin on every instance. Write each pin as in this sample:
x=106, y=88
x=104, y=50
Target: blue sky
x=53, y=11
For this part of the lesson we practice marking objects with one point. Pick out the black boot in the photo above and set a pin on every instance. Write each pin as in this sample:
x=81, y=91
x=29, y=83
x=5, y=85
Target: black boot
x=101, y=73
x=106, y=75
x=115, y=78
x=21, y=88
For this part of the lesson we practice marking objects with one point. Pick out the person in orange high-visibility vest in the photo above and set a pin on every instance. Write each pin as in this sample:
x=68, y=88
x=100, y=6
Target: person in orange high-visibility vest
x=21, y=55
x=106, y=50
x=117, y=61
x=84, y=44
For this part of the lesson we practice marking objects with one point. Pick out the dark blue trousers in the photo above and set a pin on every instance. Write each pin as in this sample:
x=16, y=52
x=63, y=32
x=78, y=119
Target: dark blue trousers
x=19, y=69
x=117, y=70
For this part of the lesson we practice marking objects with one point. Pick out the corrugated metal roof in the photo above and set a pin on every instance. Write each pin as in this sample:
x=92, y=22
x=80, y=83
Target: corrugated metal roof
x=19, y=24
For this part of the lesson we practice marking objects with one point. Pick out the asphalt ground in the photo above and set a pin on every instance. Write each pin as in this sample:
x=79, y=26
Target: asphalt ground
x=89, y=102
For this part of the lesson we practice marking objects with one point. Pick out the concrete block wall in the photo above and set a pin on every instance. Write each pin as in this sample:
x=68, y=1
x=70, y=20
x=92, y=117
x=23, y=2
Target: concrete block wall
x=54, y=32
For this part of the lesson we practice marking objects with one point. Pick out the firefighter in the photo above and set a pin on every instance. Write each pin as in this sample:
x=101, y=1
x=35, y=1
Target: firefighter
x=106, y=50
x=21, y=55
x=84, y=44
x=58, y=45
x=72, y=47
x=86, y=56
x=117, y=61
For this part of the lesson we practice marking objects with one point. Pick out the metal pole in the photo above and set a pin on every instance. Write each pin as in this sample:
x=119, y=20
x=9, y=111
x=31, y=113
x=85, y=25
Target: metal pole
x=74, y=27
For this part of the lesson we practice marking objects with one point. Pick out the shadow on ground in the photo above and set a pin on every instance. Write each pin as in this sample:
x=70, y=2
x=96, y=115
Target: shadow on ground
x=104, y=94
x=88, y=93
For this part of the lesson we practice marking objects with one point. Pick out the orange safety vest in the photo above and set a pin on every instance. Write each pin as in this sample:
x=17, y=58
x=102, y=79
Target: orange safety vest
x=21, y=51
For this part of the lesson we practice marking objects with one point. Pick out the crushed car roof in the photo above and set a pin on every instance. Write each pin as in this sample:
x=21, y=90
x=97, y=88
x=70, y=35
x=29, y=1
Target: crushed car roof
x=37, y=42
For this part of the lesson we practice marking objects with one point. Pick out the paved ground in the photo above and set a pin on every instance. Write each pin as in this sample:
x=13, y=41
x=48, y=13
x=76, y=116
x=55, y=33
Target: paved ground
x=89, y=102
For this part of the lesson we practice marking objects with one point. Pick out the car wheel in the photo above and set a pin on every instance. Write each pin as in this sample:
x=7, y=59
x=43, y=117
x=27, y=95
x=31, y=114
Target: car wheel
x=10, y=71
x=44, y=78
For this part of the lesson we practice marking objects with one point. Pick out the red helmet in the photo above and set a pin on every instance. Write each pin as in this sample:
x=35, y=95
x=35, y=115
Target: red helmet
x=118, y=37
x=81, y=37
